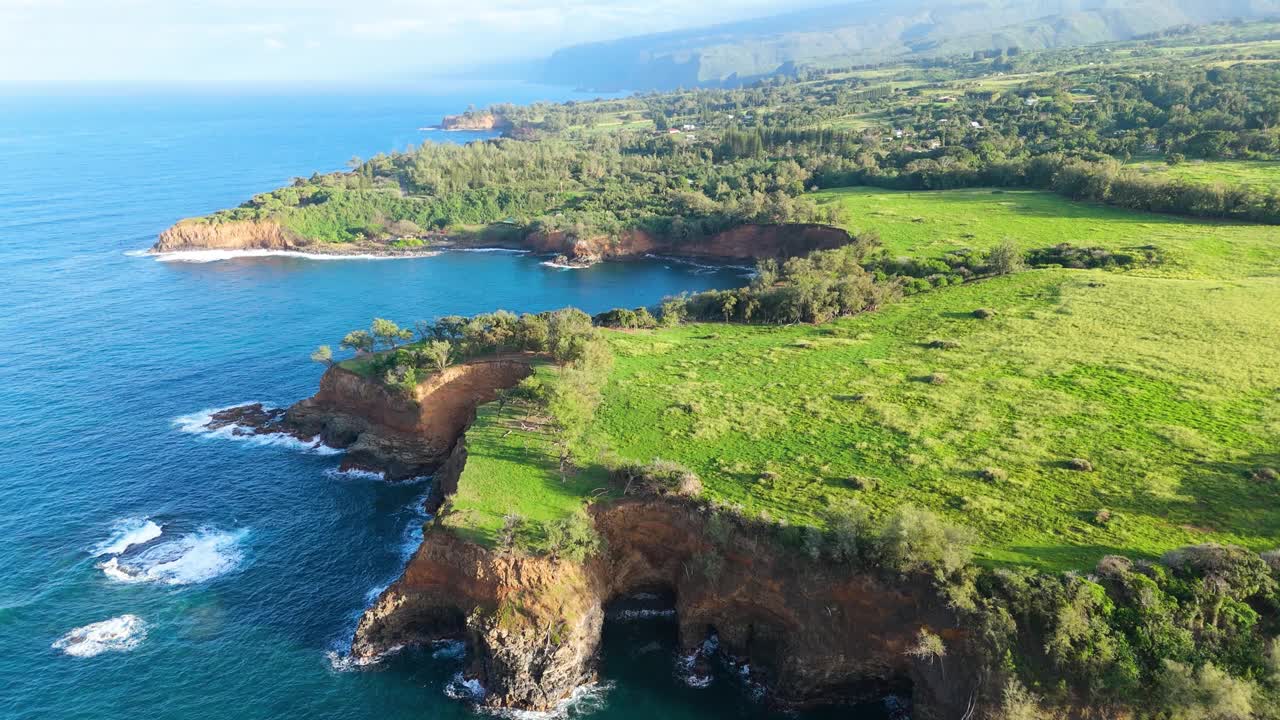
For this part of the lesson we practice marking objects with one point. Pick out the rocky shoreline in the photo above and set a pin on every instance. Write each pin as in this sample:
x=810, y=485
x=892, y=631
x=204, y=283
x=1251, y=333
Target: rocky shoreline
x=807, y=632
x=742, y=244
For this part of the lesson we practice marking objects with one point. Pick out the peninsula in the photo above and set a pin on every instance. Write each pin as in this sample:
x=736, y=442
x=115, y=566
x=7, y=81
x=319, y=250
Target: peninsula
x=993, y=426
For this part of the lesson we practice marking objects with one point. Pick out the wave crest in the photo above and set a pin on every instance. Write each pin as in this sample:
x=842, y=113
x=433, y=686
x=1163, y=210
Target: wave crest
x=208, y=256
x=197, y=423
x=127, y=533
x=198, y=557
x=119, y=634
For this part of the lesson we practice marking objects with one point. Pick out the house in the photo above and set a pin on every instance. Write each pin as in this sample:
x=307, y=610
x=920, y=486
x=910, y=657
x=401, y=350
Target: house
x=687, y=127
x=975, y=124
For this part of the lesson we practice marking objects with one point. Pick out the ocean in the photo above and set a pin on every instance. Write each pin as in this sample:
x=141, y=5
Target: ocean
x=148, y=569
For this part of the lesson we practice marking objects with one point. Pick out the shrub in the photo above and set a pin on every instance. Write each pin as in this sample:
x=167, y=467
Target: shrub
x=917, y=540
x=574, y=538
x=1204, y=694
x=1018, y=703
x=993, y=474
x=937, y=378
x=860, y=482
x=1080, y=464
x=1102, y=517
x=942, y=345
x=984, y=313
x=1266, y=474
x=1005, y=259
x=659, y=477
x=848, y=533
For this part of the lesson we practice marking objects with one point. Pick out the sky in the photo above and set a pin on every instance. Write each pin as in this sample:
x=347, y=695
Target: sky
x=316, y=43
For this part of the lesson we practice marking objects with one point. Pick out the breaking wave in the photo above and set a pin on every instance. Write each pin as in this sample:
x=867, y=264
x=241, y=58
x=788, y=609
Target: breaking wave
x=198, y=424
x=339, y=652
x=119, y=634
x=208, y=256
x=194, y=558
x=127, y=533
x=562, y=266
x=584, y=700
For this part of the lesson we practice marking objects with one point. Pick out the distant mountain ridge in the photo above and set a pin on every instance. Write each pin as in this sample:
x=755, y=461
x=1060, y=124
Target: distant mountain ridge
x=872, y=31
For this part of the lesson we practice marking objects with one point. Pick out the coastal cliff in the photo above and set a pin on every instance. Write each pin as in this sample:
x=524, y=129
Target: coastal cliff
x=810, y=633
x=744, y=243
x=476, y=121
x=237, y=235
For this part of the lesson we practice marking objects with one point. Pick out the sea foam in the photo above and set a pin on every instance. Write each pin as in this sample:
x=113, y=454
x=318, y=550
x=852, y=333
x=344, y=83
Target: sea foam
x=194, y=558
x=208, y=256
x=127, y=533
x=585, y=700
x=119, y=634
x=198, y=424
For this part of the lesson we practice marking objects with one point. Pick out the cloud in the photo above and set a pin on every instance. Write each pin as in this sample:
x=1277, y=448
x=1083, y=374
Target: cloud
x=237, y=41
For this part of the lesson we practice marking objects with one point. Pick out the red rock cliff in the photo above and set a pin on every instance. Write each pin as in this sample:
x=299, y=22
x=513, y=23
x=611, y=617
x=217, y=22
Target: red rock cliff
x=239, y=235
x=401, y=435
x=814, y=633
x=743, y=243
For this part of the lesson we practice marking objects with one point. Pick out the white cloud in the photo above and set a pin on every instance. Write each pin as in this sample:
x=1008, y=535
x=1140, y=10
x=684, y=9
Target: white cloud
x=232, y=41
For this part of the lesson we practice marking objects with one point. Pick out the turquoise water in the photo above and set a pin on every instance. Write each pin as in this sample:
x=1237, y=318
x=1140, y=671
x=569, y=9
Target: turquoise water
x=251, y=562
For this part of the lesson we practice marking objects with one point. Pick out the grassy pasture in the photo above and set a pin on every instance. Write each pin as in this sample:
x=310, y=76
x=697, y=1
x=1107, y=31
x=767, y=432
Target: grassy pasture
x=1260, y=174
x=930, y=223
x=1167, y=382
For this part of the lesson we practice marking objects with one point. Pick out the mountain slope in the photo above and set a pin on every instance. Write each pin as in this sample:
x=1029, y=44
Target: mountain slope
x=871, y=31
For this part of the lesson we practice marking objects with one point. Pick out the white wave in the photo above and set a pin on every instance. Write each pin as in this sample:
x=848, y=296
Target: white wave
x=643, y=614
x=562, y=266
x=137, y=253
x=119, y=634
x=208, y=256
x=354, y=474
x=701, y=266
x=193, y=558
x=340, y=649
x=584, y=700
x=127, y=533
x=198, y=424
x=449, y=649
x=462, y=688
x=341, y=660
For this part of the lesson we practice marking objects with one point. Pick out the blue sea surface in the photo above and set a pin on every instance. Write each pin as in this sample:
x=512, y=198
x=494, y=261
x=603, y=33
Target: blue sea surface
x=211, y=577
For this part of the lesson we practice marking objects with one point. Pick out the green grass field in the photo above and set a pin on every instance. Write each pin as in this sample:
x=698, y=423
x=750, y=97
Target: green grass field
x=1258, y=174
x=926, y=223
x=1167, y=382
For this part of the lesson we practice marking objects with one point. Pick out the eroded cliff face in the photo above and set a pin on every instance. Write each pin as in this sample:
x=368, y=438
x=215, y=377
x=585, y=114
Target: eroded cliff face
x=239, y=235
x=475, y=121
x=812, y=633
x=400, y=435
x=743, y=243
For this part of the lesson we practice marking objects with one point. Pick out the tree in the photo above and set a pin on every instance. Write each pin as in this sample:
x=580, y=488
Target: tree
x=358, y=340
x=323, y=355
x=389, y=333
x=439, y=353
x=1204, y=694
